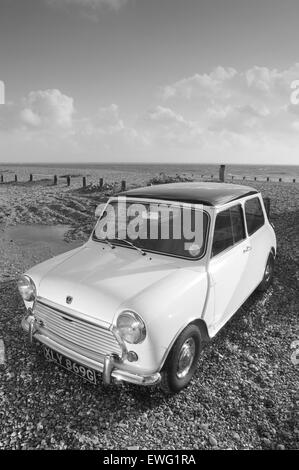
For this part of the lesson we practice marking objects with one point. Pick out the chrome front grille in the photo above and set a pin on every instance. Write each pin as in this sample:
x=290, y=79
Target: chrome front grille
x=82, y=336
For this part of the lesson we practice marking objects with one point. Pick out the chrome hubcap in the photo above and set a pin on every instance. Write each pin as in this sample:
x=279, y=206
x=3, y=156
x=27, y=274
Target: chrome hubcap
x=186, y=357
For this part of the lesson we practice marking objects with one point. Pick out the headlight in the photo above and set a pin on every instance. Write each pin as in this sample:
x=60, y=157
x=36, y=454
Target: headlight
x=131, y=327
x=27, y=288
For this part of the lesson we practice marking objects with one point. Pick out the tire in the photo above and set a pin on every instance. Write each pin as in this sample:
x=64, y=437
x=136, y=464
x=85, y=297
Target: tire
x=181, y=362
x=268, y=274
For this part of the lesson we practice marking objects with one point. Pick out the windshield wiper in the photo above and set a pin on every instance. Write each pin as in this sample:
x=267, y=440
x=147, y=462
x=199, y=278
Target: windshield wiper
x=131, y=244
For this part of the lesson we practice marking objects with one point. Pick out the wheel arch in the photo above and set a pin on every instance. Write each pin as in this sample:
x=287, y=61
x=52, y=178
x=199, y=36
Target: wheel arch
x=202, y=326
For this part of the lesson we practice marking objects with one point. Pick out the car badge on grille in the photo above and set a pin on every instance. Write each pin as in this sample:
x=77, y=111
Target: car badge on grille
x=69, y=299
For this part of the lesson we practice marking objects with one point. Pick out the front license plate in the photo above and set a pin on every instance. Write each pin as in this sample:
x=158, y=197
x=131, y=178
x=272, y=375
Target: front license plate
x=79, y=369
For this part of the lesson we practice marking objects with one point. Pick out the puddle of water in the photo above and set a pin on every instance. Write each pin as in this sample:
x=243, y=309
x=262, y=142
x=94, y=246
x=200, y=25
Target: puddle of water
x=52, y=235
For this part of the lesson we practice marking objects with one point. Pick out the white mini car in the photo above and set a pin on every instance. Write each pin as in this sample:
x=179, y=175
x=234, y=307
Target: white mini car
x=140, y=309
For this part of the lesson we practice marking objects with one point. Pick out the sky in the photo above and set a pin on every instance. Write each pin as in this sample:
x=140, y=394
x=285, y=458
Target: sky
x=167, y=81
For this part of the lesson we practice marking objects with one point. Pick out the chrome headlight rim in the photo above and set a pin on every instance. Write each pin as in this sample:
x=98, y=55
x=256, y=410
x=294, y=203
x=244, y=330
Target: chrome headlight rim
x=138, y=328
x=27, y=288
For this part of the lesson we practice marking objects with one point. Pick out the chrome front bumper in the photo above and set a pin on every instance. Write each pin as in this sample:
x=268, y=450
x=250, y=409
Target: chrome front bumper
x=109, y=368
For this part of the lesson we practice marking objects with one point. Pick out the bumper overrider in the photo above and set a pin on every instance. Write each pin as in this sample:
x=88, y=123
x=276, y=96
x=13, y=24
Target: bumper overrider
x=109, y=368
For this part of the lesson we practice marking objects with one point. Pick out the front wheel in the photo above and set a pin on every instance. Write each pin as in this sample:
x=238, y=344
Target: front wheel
x=268, y=274
x=181, y=362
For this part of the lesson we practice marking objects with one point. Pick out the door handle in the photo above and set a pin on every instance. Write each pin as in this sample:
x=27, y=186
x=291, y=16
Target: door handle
x=248, y=248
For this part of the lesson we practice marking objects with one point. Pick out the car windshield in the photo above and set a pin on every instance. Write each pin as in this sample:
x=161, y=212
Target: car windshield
x=172, y=229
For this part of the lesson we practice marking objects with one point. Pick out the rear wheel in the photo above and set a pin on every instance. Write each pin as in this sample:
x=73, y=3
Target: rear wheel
x=181, y=362
x=268, y=274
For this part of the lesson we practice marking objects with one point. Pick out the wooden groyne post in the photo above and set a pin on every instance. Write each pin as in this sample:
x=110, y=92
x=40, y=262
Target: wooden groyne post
x=68, y=180
x=222, y=173
x=123, y=185
x=84, y=181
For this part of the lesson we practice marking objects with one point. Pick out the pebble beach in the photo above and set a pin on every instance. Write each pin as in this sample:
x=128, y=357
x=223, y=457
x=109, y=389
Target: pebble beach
x=244, y=392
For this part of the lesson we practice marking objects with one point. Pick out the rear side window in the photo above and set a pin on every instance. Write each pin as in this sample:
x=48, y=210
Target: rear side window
x=229, y=229
x=254, y=215
x=237, y=219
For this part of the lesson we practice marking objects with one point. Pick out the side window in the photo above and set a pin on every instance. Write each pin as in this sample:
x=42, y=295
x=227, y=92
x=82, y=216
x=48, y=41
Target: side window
x=254, y=215
x=236, y=213
x=229, y=229
x=223, y=233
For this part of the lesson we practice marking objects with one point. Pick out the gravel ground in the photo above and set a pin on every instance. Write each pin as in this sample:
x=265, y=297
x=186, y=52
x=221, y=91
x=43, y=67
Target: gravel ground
x=243, y=395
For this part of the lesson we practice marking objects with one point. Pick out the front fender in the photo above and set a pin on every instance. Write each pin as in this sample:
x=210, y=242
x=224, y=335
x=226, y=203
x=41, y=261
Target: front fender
x=167, y=307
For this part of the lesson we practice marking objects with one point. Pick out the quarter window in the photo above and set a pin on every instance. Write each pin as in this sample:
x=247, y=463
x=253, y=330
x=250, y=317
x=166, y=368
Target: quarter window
x=229, y=229
x=254, y=215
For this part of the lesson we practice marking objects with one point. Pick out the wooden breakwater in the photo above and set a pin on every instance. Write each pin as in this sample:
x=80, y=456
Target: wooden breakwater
x=221, y=176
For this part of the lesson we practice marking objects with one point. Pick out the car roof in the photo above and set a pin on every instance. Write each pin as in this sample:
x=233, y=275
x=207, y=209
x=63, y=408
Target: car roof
x=208, y=194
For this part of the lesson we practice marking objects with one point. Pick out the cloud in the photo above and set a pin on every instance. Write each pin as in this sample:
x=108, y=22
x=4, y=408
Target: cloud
x=222, y=116
x=163, y=126
x=228, y=83
x=108, y=119
x=227, y=99
x=52, y=112
x=106, y=129
x=164, y=116
x=228, y=115
x=88, y=8
x=44, y=126
x=200, y=86
x=47, y=109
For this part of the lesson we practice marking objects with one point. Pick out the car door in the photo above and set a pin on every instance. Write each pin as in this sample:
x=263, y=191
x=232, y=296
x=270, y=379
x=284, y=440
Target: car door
x=259, y=242
x=228, y=263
